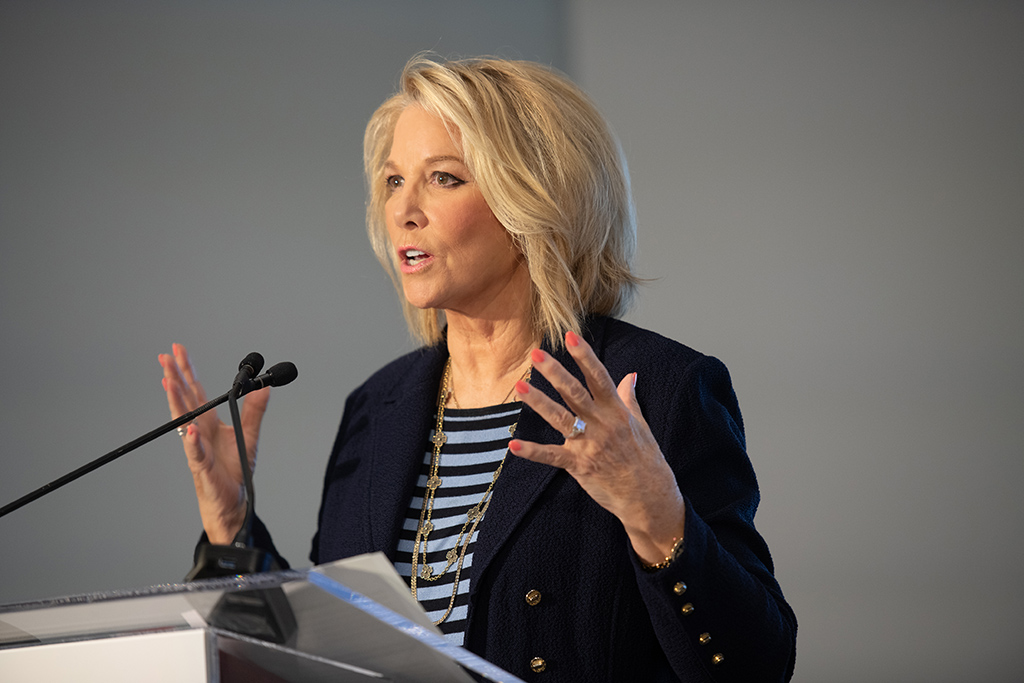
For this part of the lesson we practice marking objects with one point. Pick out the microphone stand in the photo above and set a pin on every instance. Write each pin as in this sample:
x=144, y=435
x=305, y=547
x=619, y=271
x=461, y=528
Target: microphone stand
x=111, y=456
x=261, y=613
x=279, y=375
x=240, y=557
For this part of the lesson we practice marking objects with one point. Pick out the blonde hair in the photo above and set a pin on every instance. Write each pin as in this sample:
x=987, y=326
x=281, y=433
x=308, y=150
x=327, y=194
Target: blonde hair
x=548, y=167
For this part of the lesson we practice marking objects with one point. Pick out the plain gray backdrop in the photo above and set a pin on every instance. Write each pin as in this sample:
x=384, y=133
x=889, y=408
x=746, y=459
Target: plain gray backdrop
x=830, y=199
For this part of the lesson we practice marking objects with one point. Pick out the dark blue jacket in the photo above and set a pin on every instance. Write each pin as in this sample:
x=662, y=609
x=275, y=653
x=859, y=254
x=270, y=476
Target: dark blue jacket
x=601, y=617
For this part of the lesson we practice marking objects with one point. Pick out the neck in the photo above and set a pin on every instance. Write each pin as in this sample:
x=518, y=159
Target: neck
x=488, y=357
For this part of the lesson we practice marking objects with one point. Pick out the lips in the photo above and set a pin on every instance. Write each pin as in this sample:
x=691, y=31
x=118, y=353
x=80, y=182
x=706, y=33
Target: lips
x=414, y=256
x=412, y=259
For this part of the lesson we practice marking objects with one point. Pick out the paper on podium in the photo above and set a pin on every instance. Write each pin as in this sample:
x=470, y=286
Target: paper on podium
x=413, y=648
x=380, y=627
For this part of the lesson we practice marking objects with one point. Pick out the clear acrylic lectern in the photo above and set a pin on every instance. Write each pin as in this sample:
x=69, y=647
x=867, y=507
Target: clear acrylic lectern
x=352, y=620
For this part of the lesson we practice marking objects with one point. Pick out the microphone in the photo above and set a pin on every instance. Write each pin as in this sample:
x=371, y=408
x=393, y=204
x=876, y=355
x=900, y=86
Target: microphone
x=277, y=376
x=249, y=367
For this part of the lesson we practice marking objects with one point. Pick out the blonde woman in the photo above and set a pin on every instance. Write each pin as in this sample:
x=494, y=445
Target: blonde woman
x=566, y=493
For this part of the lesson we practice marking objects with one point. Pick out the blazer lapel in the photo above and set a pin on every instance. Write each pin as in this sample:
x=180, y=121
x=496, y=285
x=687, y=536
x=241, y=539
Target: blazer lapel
x=400, y=431
x=522, y=481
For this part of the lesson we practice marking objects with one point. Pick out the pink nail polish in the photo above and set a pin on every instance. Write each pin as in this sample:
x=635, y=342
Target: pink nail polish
x=571, y=339
x=515, y=445
x=522, y=387
x=537, y=356
x=634, y=380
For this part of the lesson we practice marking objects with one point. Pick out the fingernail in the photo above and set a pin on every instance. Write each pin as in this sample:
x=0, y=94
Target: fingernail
x=163, y=380
x=634, y=380
x=571, y=339
x=537, y=356
x=515, y=445
x=191, y=430
x=522, y=387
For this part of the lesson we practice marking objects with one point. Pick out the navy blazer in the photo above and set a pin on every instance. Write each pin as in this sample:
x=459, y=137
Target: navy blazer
x=715, y=614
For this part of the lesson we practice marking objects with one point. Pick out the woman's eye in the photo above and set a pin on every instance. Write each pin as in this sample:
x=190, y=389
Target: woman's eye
x=446, y=179
x=393, y=182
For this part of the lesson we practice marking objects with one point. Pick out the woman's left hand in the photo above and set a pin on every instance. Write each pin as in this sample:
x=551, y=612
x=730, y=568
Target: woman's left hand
x=615, y=458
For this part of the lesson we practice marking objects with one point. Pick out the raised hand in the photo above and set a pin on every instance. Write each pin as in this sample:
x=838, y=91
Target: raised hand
x=609, y=449
x=210, y=446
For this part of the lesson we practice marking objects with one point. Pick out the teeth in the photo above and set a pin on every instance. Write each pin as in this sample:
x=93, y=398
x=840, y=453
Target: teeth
x=414, y=255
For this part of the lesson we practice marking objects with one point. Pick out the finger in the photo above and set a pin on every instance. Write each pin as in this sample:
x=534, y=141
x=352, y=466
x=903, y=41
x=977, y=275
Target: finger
x=627, y=393
x=195, y=451
x=598, y=380
x=547, y=454
x=192, y=388
x=253, y=409
x=188, y=372
x=175, y=377
x=178, y=401
x=553, y=413
x=568, y=387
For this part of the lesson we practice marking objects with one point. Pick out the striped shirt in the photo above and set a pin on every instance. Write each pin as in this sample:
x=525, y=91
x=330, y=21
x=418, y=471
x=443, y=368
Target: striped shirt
x=477, y=442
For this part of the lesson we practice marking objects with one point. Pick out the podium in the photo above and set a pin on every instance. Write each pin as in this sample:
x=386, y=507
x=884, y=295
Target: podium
x=351, y=620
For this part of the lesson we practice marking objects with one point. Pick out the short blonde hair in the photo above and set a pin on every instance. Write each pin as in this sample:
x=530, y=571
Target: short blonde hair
x=547, y=165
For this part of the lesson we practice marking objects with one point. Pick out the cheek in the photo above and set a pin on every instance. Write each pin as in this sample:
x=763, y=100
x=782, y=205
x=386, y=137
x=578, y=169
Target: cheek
x=478, y=219
x=389, y=215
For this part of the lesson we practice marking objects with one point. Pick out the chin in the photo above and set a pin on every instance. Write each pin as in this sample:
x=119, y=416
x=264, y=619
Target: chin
x=418, y=300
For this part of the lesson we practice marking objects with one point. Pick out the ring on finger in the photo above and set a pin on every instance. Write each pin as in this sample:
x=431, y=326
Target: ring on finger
x=578, y=428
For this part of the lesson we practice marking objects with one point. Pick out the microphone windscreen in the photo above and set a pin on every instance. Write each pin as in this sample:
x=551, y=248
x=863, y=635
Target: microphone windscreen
x=254, y=361
x=282, y=373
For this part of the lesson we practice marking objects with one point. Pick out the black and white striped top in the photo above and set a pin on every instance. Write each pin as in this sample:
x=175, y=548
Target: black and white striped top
x=477, y=441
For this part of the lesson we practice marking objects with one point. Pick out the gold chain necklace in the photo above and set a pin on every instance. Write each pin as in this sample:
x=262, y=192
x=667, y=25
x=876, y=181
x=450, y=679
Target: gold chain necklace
x=456, y=555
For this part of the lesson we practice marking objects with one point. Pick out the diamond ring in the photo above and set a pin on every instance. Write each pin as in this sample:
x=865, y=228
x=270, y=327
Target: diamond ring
x=578, y=427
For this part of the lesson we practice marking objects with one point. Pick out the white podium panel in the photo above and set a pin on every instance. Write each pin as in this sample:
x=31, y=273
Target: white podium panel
x=171, y=657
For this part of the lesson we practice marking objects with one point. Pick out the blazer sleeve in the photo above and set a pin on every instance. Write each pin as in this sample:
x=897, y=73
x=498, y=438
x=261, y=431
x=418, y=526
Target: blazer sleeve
x=717, y=608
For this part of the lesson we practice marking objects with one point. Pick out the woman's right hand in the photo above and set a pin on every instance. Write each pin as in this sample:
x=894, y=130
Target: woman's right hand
x=210, y=446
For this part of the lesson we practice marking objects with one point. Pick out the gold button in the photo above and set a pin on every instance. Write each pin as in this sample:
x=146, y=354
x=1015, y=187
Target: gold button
x=537, y=664
x=705, y=638
x=718, y=659
x=688, y=608
x=532, y=598
x=679, y=588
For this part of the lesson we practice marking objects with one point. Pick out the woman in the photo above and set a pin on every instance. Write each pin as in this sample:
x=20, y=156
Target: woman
x=566, y=493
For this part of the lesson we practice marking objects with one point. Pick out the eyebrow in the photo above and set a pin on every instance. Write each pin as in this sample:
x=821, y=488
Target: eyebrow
x=430, y=160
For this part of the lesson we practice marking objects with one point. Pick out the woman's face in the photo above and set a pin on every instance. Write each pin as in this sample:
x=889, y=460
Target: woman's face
x=452, y=252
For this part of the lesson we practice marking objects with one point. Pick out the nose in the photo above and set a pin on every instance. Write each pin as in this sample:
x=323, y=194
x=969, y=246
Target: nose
x=406, y=209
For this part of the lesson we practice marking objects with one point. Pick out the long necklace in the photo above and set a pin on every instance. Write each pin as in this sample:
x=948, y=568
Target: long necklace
x=456, y=555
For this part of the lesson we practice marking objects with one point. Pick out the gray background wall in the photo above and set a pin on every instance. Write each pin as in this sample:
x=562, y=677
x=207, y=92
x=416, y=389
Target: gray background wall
x=829, y=198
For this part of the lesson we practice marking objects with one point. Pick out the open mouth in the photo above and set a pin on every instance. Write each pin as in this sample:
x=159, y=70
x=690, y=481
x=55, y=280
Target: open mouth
x=413, y=256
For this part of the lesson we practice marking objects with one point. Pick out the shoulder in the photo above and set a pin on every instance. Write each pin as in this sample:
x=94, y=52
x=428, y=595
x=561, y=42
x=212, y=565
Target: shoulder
x=617, y=342
x=395, y=378
x=670, y=375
